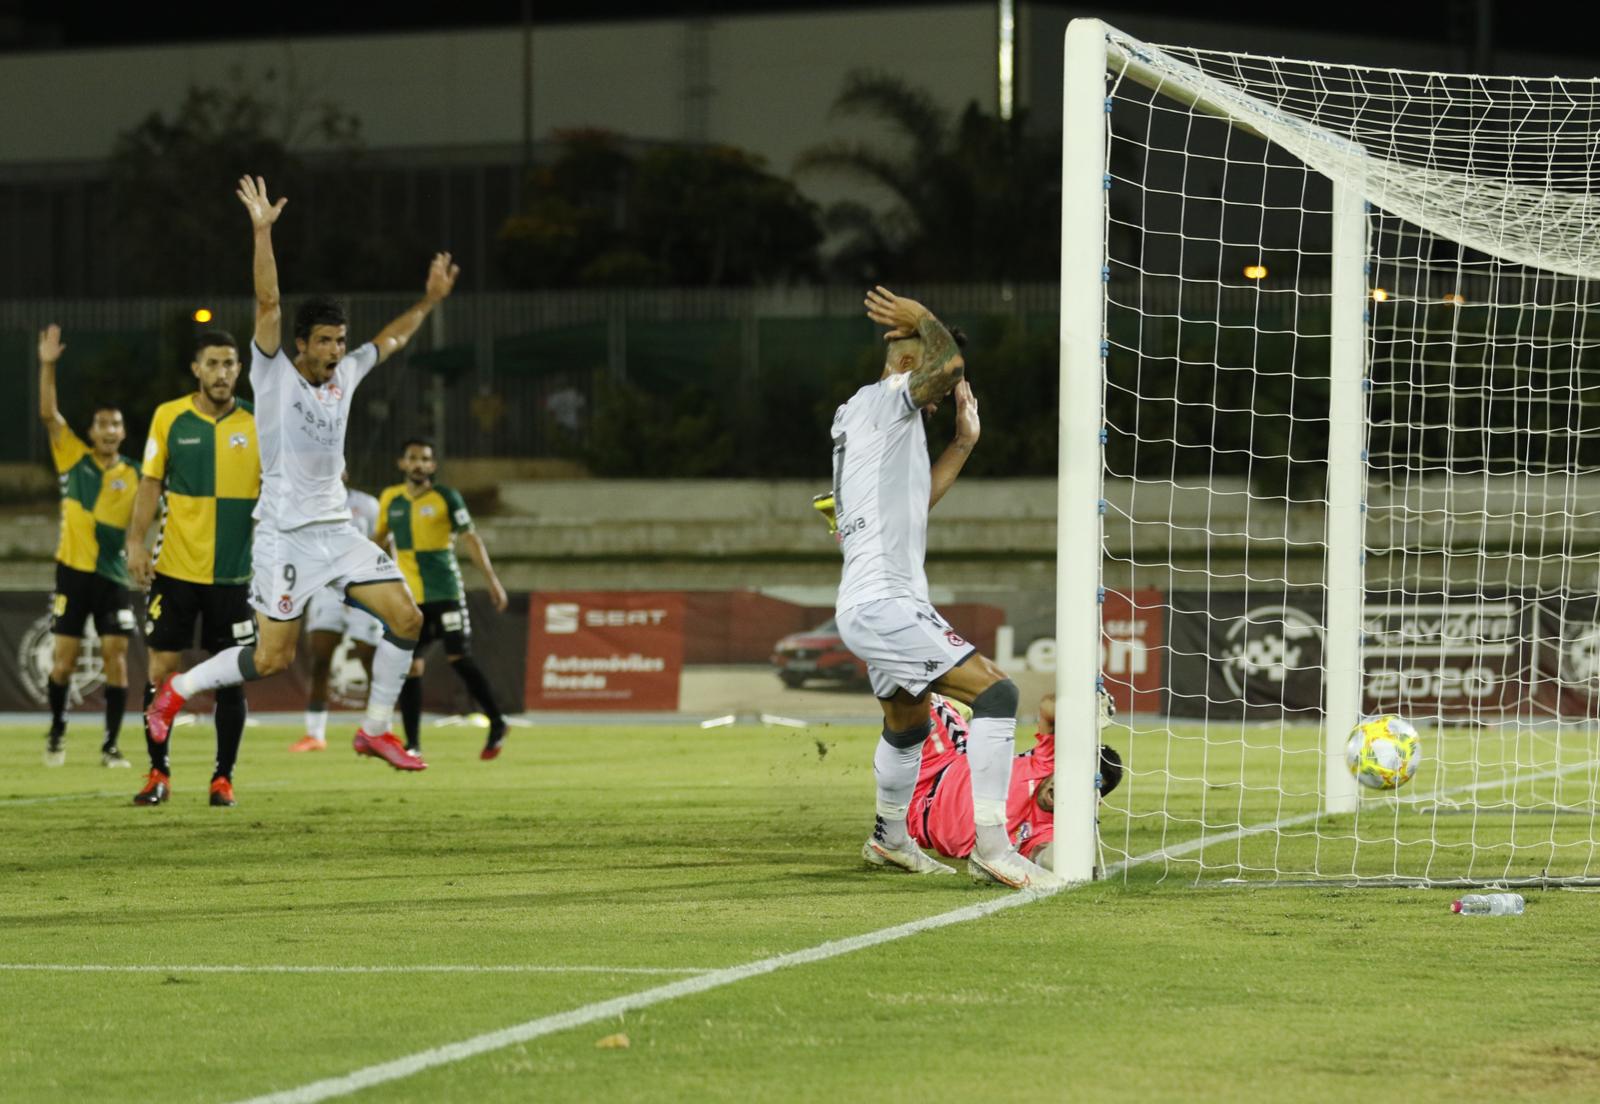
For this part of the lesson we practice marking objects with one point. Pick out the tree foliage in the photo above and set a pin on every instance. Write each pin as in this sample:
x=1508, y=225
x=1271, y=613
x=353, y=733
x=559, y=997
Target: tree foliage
x=973, y=198
x=601, y=215
x=177, y=227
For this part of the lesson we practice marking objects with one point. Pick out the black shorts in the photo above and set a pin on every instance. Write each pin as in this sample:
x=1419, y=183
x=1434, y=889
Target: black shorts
x=176, y=606
x=446, y=621
x=81, y=595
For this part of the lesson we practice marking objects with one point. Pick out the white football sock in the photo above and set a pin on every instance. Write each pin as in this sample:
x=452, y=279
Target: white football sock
x=390, y=665
x=895, y=772
x=317, y=723
x=220, y=670
x=990, y=743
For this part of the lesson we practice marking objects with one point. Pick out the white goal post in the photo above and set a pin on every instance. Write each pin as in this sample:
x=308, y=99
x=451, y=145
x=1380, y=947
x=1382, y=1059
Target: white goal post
x=1330, y=425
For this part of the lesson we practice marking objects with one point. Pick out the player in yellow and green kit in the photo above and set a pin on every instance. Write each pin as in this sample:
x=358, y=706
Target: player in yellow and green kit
x=202, y=466
x=423, y=519
x=97, y=489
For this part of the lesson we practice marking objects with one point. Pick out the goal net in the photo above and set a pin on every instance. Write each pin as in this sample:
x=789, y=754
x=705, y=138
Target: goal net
x=1331, y=439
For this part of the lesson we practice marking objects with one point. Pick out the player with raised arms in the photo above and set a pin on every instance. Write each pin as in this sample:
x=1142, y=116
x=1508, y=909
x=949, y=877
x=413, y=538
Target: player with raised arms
x=883, y=488
x=304, y=537
x=98, y=484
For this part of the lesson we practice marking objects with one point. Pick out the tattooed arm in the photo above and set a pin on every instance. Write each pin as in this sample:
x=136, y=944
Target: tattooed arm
x=942, y=365
x=950, y=462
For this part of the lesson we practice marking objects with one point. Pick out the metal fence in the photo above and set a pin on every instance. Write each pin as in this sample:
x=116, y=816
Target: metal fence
x=522, y=375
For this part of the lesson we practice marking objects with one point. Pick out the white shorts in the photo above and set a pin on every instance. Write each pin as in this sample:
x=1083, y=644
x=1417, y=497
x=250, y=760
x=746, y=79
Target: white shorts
x=294, y=564
x=904, y=642
x=326, y=611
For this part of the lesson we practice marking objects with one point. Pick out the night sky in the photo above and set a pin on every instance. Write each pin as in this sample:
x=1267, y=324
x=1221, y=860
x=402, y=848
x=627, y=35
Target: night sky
x=45, y=24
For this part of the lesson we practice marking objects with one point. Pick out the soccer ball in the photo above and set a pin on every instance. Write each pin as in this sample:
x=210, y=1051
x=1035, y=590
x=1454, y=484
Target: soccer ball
x=1383, y=752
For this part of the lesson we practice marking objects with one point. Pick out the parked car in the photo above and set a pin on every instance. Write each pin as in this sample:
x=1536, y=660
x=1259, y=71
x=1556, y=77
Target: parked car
x=818, y=654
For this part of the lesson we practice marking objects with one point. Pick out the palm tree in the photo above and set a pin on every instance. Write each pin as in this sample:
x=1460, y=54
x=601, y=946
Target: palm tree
x=973, y=199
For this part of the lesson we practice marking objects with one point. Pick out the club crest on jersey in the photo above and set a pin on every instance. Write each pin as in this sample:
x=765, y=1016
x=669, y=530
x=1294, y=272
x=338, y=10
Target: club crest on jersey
x=238, y=441
x=330, y=392
x=954, y=638
x=285, y=604
x=427, y=511
x=119, y=484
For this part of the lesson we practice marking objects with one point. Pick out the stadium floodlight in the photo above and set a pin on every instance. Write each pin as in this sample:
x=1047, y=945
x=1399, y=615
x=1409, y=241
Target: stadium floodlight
x=1369, y=486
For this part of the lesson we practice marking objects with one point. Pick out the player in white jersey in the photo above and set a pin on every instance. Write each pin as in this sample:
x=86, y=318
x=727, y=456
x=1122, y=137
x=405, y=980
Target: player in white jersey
x=304, y=537
x=883, y=488
x=328, y=620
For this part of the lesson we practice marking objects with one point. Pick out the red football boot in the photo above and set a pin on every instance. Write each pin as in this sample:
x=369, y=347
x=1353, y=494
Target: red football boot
x=159, y=717
x=388, y=748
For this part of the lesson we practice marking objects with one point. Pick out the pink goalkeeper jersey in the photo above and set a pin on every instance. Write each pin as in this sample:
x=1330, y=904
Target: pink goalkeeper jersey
x=941, y=806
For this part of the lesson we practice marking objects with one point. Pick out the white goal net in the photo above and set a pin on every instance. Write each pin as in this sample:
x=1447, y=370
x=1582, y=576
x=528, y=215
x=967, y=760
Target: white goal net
x=1331, y=400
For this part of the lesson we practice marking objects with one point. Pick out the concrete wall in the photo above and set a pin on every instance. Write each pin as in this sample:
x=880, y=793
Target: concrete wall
x=764, y=83
x=995, y=536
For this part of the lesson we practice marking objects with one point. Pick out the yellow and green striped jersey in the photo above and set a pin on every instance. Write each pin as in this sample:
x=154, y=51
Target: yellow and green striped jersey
x=96, y=502
x=424, y=530
x=211, y=472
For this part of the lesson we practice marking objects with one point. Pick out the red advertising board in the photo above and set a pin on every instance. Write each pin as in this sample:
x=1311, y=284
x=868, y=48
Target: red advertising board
x=1132, y=648
x=604, y=650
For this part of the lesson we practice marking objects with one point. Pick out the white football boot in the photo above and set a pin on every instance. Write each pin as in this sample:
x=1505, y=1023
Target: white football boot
x=1012, y=871
x=910, y=858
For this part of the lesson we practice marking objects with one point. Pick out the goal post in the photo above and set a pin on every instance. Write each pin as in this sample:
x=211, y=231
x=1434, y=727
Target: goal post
x=1330, y=428
x=1083, y=225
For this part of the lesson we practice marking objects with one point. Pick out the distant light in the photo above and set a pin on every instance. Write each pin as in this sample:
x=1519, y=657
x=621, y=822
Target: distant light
x=1455, y=297
x=202, y=315
x=1255, y=272
x=1379, y=294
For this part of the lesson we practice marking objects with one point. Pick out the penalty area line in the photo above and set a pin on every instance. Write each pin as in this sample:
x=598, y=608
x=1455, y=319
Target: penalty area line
x=601, y=1010
x=105, y=968
x=53, y=798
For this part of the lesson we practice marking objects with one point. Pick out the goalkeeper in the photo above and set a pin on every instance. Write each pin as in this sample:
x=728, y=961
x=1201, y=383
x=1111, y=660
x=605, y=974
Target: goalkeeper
x=941, y=806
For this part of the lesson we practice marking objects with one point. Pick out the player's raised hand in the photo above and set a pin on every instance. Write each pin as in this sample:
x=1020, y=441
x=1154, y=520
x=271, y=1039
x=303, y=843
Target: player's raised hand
x=253, y=194
x=441, y=277
x=901, y=315
x=50, y=347
x=967, y=427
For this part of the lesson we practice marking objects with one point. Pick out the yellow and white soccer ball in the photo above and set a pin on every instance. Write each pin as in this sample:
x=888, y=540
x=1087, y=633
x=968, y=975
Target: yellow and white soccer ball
x=1383, y=752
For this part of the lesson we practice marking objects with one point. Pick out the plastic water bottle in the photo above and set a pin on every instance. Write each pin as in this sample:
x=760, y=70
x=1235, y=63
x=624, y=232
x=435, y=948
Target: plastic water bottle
x=1489, y=904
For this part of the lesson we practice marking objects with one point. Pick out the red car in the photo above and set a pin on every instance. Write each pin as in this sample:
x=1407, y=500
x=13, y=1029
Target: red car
x=816, y=654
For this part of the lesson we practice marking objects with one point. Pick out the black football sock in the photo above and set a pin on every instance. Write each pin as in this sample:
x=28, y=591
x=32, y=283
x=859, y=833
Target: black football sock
x=229, y=716
x=478, y=687
x=116, y=706
x=158, y=752
x=411, y=711
x=57, y=693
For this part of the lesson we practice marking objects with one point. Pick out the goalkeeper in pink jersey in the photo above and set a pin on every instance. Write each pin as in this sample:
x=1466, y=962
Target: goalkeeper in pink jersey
x=941, y=806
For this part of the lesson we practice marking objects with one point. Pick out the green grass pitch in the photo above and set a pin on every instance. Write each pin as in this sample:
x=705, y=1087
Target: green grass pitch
x=676, y=849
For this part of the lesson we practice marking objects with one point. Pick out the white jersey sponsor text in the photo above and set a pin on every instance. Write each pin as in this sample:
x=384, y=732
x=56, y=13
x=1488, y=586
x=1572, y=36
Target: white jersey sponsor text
x=881, y=483
x=301, y=429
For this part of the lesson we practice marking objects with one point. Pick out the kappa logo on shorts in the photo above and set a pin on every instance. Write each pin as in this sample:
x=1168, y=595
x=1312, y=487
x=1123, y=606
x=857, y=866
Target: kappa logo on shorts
x=954, y=638
x=929, y=666
x=285, y=604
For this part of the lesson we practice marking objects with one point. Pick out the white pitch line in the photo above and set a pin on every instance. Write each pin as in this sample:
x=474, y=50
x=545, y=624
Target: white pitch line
x=548, y=1025
x=1305, y=818
x=60, y=797
x=99, y=968
x=602, y=1010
